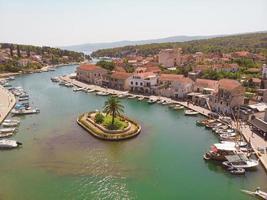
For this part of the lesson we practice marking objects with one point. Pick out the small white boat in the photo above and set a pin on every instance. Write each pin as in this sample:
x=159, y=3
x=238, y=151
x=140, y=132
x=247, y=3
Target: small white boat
x=236, y=171
x=7, y=130
x=77, y=89
x=122, y=95
x=23, y=98
x=178, y=107
x=9, y=144
x=10, y=124
x=90, y=90
x=5, y=135
x=102, y=93
x=141, y=98
x=131, y=97
x=12, y=121
x=191, y=112
x=54, y=79
x=25, y=111
x=257, y=193
x=68, y=85
x=151, y=100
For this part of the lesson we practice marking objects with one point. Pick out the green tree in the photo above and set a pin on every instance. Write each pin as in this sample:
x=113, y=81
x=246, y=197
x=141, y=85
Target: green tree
x=113, y=107
x=106, y=64
x=18, y=51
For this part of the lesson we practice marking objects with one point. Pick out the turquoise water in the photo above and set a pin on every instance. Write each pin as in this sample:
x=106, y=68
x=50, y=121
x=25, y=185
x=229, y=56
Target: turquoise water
x=59, y=160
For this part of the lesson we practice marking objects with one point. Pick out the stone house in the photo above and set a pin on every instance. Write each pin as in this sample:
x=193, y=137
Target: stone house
x=230, y=95
x=170, y=57
x=91, y=74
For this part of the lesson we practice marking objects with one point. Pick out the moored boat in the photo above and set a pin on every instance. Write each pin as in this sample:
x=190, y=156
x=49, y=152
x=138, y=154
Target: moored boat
x=9, y=144
x=240, y=161
x=5, y=135
x=191, y=112
x=10, y=124
x=25, y=111
x=7, y=130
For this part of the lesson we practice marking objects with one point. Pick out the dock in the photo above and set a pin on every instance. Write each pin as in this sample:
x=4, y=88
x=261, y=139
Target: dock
x=7, y=102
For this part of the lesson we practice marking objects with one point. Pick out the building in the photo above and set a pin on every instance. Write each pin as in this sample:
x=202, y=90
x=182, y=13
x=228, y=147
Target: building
x=143, y=82
x=230, y=95
x=174, y=86
x=206, y=86
x=170, y=57
x=264, y=71
x=119, y=80
x=92, y=74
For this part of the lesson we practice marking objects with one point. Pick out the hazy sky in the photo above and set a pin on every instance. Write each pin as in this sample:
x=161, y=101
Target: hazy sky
x=65, y=22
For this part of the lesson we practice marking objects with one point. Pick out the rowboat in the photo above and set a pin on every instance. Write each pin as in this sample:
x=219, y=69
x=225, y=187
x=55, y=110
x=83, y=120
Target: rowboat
x=7, y=130
x=10, y=124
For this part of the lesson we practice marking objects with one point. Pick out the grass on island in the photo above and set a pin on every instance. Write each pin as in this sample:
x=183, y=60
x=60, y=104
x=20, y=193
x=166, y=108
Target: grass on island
x=106, y=121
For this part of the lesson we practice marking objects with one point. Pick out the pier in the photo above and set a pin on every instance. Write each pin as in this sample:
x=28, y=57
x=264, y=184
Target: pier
x=7, y=102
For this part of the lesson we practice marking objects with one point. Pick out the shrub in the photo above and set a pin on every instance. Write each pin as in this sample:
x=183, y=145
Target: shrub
x=99, y=118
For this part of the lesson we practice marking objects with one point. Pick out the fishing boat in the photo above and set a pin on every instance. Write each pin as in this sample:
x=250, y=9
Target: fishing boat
x=5, y=135
x=239, y=143
x=9, y=144
x=7, y=130
x=218, y=151
x=25, y=111
x=257, y=193
x=191, y=112
x=240, y=161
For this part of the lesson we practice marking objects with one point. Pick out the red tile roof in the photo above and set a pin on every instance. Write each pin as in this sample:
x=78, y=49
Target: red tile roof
x=89, y=67
x=228, y=84
x=120, y=75
x=206, y=83
x=170, y=77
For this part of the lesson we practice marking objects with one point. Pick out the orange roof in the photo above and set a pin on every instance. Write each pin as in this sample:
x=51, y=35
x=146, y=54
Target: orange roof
x=206, y=83
x=170, y=77
x=256, y=80
x=120, y=75
x=228, y=84
x=88, y=67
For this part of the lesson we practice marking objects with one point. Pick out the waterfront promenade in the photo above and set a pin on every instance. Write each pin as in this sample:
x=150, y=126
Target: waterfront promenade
x=255, y=140
x=7, y=102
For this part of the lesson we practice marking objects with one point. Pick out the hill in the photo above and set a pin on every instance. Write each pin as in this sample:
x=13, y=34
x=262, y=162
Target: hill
x=90, y=47
x=17, y=57
x=253, y=42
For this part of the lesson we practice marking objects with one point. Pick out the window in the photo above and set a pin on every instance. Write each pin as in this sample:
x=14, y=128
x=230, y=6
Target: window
x=141, y=84
x=136, y=83
x=131, y=83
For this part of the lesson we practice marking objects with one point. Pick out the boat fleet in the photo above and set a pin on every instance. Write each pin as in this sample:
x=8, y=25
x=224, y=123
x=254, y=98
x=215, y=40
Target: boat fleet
x=9, y=127
x=232, y=151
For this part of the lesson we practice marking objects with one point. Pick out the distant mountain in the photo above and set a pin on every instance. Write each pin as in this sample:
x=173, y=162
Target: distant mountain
x=90, y=47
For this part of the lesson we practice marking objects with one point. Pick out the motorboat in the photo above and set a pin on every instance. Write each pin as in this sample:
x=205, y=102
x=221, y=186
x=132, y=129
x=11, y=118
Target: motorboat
x=204, y=122
x=54, y=79
x=12, y=121
x=68, y=85
x=9, y=144
x=226, y=136
x=191, y=112
x=178, y=107
x=25, y=111
x=77, y=89
x=62, y=83
x=257, y=193
x=236, y=171
x=151, y=100
x=240, y=161
x=102, y=93
x=10, y=124
x=131, y=97
x=5, y=135
x=90, y=90
x=237, y=143
x=141, y=98
x=7, y=130
x=23, y=98
x=122, y=95
x=225, y=131
x=213, y=125
x=24, y=95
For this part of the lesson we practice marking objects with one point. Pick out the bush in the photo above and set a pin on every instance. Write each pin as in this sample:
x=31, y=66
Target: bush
x=99, y=118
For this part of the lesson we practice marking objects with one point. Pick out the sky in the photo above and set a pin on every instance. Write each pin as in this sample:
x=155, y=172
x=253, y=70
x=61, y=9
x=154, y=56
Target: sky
x=69, y=22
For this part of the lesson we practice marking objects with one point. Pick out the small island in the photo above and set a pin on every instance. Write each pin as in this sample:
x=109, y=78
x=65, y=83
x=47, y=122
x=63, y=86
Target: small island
x=109, y=124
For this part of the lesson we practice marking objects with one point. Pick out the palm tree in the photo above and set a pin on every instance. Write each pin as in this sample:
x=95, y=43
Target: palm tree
x=113, y=107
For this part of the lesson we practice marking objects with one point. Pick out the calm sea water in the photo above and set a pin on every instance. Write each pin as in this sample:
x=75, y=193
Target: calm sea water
x=59, y=160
